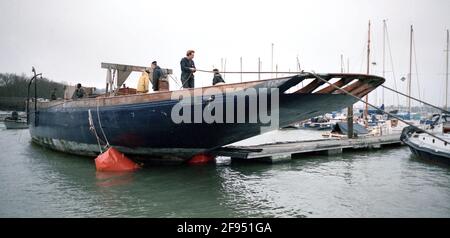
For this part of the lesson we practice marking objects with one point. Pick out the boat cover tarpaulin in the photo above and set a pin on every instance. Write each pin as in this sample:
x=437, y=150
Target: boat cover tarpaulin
x=342, y=128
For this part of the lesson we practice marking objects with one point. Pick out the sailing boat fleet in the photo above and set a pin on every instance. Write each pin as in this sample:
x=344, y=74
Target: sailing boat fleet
x=376, y=123
x=428, y=140
x=435, y=145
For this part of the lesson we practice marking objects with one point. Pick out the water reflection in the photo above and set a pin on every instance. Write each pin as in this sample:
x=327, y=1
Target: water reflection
x=256, y=194
x=37, y=182
x=108, y=179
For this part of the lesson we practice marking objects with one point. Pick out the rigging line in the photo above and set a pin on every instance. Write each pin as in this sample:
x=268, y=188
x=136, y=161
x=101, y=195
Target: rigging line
x=392, y=65
x=415, y=64
x=251, y=72
x=92, y=129
x=176, y=81
x=417, y=70
x=187, y=80
x=388, y=113
x=362, y=57
x=101, y=127
x=428, y=104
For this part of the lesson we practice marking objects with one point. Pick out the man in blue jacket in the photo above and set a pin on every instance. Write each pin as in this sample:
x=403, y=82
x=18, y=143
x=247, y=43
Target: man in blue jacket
x=188, y=70
x=157, y=73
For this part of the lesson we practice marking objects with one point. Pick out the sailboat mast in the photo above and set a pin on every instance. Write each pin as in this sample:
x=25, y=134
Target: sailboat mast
x=368, y=71
x=446, y=76
x=410, y=68
x=348, y=65
x=271, y=63
x=384, y=54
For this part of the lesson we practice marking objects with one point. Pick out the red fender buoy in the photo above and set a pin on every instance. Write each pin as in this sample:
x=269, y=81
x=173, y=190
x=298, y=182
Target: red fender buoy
x=114, y=161
x=201, y=159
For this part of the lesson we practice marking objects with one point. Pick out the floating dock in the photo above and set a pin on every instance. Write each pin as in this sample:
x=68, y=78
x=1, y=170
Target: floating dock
x=285, y=151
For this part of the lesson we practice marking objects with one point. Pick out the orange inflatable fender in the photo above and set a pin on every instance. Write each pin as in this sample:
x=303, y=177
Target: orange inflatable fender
x=114, y=161
x=201, y=159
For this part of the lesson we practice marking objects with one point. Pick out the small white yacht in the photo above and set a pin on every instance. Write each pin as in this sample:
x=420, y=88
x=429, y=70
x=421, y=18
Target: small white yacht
x=426, y=146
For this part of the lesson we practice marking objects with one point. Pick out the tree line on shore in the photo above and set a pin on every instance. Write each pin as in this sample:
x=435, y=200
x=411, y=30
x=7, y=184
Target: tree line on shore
x=13, y=85
x=13, y=90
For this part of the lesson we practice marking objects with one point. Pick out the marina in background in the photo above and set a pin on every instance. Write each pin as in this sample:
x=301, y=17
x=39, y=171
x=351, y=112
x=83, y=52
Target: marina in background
x=269, y=137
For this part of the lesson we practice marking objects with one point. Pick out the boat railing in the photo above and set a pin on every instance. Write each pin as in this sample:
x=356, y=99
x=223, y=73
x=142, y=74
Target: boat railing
x=35, y=94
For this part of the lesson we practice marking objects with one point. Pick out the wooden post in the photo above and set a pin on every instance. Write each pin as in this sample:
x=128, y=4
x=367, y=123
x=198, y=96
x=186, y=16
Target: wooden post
x=349, y=109
x=350, y=121
x=108, y=81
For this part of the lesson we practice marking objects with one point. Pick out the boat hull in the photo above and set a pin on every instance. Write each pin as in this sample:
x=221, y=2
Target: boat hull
x=429, y=155
x=145, y=127
x=13, y=124
x=423, y=151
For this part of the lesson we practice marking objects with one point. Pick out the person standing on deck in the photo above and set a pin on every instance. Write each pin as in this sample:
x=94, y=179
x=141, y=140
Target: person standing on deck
x=142, y=86
x=217, y=77
x=157, y=73
x=187, y=70
x=53, y=95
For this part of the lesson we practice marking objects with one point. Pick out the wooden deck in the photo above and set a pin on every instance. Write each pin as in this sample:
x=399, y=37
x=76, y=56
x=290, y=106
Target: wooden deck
x=283, y=151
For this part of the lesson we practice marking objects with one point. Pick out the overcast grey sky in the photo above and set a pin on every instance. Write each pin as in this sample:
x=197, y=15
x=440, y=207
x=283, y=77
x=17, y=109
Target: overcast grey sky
x=67, y=40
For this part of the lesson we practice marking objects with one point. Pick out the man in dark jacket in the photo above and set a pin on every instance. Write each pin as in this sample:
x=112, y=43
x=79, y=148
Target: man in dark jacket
x=79, y=92
x=157, y=73
x=188, y=70
x=53, y=95
x=217, y=77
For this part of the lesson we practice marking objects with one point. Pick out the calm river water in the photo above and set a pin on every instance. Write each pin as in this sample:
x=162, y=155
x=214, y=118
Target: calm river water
x=36, y=182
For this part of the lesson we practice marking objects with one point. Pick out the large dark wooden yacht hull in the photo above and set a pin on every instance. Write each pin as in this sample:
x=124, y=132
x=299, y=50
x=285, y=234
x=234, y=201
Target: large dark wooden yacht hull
x=142, y=124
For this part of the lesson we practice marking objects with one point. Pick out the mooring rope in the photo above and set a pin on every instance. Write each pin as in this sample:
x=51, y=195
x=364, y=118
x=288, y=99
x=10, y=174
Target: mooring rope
x=249, y=72
x=187, y=80
x=428, y=104
x=175, y=80
x=101, y=127
x=92, y=128
x=390, y=114
x=393, y=90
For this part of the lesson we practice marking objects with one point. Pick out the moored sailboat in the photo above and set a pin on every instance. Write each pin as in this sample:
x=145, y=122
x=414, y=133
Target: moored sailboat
x=435, y=145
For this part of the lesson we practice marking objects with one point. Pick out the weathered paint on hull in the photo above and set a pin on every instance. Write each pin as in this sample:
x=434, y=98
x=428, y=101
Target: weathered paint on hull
x=11, y=124
x=142, y=125
x=91, y=150
x=147, y=129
